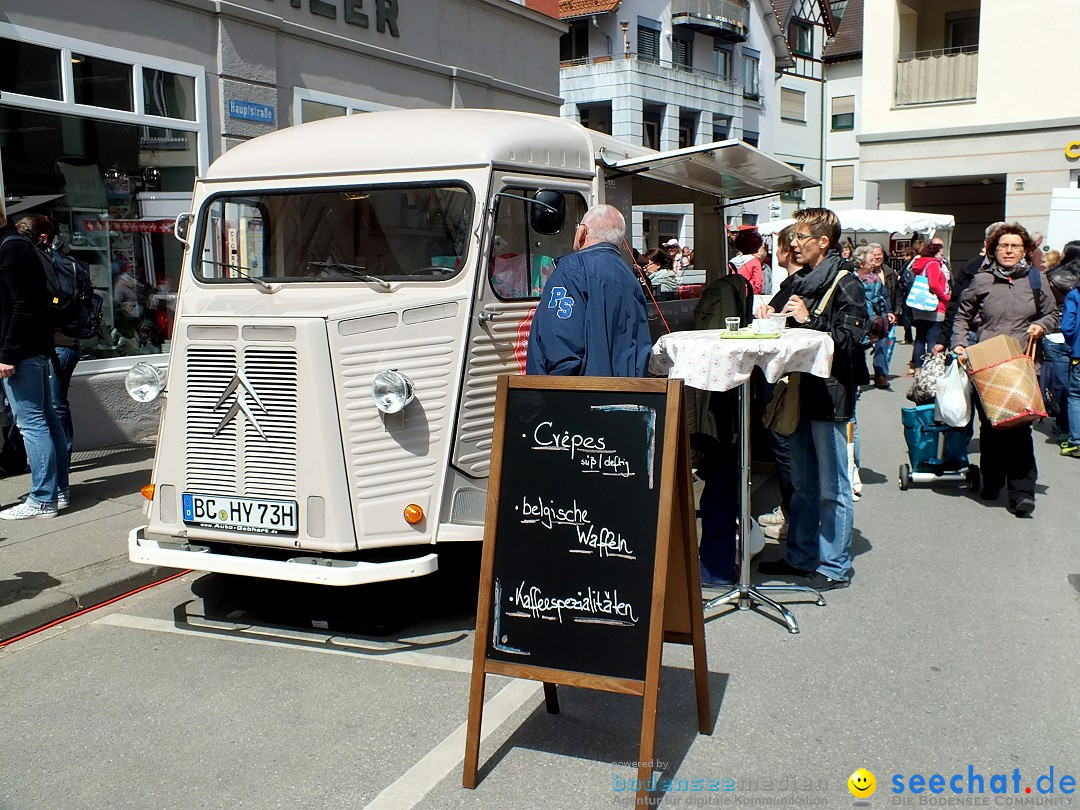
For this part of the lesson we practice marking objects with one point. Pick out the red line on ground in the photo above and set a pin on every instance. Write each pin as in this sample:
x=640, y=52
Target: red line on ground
x=78, y=613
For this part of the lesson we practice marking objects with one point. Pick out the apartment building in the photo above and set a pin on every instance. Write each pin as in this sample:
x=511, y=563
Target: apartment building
x=844, y=186
x=671, y=73
x=967, y=111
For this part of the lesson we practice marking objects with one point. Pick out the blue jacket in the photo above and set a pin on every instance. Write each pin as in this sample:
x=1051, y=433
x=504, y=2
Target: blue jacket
x=1070, y=322
x=590, y=319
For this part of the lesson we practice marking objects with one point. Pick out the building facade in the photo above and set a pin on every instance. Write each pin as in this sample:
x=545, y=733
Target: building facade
x=109, y=110
x=957, y=123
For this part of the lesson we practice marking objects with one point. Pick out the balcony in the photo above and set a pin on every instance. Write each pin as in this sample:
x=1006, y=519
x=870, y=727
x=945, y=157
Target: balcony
x=727, y=20
x=938, y=76
x=591, y=79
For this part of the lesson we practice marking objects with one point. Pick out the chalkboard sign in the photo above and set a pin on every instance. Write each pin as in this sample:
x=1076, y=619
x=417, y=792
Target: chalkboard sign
x=590, y=547
x=578, y=503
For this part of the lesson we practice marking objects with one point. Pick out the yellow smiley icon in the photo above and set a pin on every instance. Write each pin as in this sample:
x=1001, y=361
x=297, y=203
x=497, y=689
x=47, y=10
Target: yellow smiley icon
x=862, y=784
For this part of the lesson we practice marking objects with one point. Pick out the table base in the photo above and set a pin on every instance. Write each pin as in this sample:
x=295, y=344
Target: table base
x=746, y=596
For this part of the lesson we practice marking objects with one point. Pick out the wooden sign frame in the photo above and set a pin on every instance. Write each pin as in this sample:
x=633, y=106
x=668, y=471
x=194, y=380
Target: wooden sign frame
x=676, y=611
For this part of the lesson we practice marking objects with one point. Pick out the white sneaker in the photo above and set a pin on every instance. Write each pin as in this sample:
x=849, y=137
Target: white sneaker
x=62, y=502
x=27, y=510
x=773, y=518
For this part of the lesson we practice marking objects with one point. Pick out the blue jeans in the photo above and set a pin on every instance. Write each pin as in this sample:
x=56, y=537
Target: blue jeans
x=1074, y=402
x=30, y=395
x=60, y=381
x=926, y=336
x=822, y=508
x=883, y=351
x=1055, y=376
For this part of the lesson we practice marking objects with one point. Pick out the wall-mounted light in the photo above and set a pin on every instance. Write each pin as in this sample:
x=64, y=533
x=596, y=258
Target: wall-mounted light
x=1018, y=184
x=114, y=173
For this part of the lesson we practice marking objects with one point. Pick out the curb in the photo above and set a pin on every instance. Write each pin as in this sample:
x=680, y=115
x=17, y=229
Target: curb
x=63, y=600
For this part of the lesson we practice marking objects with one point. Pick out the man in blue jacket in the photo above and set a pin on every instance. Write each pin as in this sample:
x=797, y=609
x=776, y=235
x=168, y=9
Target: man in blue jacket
x=591, y=319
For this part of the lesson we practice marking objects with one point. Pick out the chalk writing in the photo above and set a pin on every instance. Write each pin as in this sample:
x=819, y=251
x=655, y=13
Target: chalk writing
x=534, y=510
x=605, y=541
x=595, y=605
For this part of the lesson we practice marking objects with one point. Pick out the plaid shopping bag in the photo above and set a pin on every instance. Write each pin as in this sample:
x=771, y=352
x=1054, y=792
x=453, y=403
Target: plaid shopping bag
x=1009, y=390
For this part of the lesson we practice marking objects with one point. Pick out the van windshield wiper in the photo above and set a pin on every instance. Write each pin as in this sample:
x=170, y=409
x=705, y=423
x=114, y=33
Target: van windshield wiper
x=243, y=272
x=356, y=271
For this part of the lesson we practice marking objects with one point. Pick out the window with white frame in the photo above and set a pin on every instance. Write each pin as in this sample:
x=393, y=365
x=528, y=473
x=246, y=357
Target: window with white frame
x=843, y=113
x=108, y=143
x=311, y=105
x=682, y=51
x=750, y=77
x=792, y=104
x=801, y=38
x=722, y=62
x=842, y=182
x=795, y=195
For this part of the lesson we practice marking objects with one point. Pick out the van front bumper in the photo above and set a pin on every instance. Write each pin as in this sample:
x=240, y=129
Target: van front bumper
x=313, y=570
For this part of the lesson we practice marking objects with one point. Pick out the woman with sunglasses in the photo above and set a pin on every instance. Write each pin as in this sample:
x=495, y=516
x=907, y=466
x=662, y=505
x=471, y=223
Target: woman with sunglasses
x=1009, y=297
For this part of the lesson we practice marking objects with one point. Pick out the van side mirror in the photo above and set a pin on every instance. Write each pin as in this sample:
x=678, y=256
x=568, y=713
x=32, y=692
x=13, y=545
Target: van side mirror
x=548, y=213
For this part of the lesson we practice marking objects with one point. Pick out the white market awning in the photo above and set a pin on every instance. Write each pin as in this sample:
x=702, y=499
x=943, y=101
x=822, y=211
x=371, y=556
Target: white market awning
x=729, y=169
x=904, y=223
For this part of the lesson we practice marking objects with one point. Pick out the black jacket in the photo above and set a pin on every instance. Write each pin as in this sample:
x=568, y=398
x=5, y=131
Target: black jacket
x=24, y=326
x=832, y=399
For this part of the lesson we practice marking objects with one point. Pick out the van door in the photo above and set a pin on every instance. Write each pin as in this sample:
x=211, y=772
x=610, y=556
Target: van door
x=507, y=291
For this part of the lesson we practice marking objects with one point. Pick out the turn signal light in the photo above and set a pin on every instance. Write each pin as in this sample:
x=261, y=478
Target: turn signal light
x=148, y=492
x=413, y=514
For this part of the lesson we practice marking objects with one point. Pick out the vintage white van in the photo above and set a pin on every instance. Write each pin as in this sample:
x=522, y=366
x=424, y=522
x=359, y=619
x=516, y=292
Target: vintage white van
x=351, y=290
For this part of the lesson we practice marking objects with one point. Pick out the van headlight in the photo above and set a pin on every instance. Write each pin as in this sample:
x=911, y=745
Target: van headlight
x=145, y=382
x=392, y=391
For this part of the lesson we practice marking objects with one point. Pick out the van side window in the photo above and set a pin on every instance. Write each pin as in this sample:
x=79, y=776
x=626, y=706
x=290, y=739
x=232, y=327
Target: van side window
x=521, y=258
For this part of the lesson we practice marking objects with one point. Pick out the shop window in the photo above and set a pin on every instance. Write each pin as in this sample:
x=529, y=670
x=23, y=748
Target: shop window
x=98, y=181
x=168, y=94
x=101, y=82
x=521, y=258
x=317, y=110
x=843, y=113
x=31, y=70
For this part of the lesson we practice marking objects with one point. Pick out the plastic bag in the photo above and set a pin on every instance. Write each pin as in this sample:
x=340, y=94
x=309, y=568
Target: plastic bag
x=954, y=397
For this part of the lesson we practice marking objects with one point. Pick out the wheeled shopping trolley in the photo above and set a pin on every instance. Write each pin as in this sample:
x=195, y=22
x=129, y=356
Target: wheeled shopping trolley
x=937, y=452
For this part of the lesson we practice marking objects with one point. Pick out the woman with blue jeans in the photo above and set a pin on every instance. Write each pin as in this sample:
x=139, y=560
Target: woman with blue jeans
x=1070, y=327
x=26, y=357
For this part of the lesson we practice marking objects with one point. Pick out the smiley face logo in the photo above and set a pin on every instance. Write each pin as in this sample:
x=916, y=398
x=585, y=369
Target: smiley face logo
x=862, y=784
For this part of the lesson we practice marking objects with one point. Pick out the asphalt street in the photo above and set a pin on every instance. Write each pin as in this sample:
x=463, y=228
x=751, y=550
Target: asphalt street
x=952, y=653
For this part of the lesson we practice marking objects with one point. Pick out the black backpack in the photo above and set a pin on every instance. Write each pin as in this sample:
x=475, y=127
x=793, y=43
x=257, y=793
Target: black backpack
x=81, y=304
x=71, y=305
x=729, y=296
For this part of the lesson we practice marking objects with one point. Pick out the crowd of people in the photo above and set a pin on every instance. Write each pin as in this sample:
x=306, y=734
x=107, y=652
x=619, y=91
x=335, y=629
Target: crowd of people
x=867, y=305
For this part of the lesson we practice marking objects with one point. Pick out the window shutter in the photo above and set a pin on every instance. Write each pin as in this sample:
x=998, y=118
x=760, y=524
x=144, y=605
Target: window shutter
x=792, y=104
x=842, y=105
x=843, y=182
x=648, y=44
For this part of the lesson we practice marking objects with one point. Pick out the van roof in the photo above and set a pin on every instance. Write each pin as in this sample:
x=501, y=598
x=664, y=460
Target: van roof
x=411, y=139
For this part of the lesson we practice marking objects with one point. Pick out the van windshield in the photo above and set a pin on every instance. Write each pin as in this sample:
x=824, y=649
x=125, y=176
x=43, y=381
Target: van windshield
x=373, y=235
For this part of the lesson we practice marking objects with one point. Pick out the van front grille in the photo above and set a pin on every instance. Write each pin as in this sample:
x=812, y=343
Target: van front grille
x=242, y=441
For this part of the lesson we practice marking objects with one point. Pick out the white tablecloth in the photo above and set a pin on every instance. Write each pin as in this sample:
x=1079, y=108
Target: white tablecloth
x=703, y=360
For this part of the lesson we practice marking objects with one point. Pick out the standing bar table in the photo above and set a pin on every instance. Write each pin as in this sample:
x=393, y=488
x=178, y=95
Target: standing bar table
x=708, y=361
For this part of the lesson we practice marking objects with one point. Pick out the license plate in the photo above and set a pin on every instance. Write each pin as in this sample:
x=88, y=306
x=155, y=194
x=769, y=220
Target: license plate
x=256, y=516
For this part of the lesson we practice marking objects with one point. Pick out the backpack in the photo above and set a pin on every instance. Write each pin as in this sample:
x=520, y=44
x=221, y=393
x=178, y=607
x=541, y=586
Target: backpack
x=729, y=296
x=71, y=305
x=83, y=310
x=877, y=312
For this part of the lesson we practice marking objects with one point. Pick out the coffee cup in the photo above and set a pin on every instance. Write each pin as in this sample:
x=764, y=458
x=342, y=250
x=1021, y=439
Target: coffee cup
x=764, y=326
x=779, y=322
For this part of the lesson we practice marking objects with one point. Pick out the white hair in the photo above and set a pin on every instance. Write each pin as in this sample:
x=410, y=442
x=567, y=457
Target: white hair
x=605, y=223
